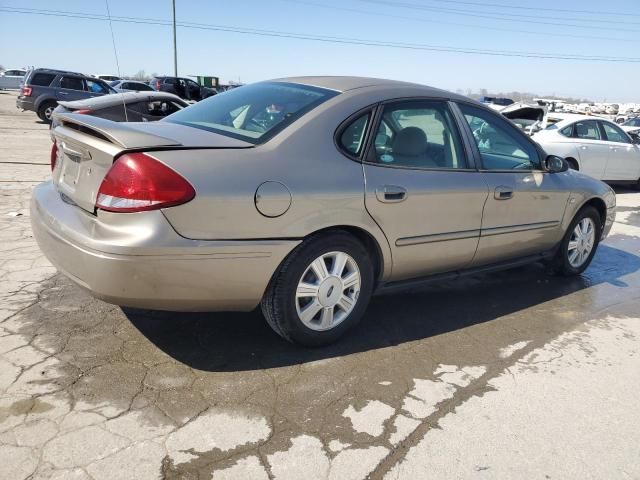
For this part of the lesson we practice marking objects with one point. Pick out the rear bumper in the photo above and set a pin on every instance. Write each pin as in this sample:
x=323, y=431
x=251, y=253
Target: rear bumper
x=25, y=103
x=138, y=260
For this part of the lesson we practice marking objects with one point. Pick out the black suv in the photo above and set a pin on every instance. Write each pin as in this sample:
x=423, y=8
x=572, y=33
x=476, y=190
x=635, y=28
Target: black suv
x=44, y=87
x=185, y=88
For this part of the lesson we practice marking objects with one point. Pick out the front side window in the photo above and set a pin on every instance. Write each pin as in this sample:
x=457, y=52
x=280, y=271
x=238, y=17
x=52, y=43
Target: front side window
x=419, y=134
x=352, y=138
x=501, y=145
x=587, y=130
x=614, y=133
x=72, y=83
x=253, y=113
x=96, y=87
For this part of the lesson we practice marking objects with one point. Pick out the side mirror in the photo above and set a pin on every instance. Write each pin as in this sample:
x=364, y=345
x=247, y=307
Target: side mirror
x=555, y=164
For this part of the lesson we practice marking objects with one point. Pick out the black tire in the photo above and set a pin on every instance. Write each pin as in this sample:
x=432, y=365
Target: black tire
x=573, y=165
x=562, y=266
x=44, y=110
x=279, y=301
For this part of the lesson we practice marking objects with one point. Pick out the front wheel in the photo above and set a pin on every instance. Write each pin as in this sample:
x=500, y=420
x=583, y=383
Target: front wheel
x=320, y=291
x=579, y=243
x=45, y=111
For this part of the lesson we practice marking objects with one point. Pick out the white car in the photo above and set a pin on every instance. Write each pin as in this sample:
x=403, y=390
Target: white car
x=12, y=79
x=594, y=146
x=631, y=125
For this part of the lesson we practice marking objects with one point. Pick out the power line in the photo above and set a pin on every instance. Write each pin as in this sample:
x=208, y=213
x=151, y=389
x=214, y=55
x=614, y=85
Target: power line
x=546, y=9
x=327, y=38
x=465, y=25
x=496, y=16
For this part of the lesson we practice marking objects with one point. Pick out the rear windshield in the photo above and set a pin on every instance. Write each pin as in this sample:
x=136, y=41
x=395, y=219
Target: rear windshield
x=253, y=113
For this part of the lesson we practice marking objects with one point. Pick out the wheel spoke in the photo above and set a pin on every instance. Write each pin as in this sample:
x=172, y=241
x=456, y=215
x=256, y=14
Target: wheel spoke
x=310, y=311
x=326, y=319
x=351, y=280
x=572, y=257
x=306, y=290
x=339, y=263
x=346, y=303
x=573, y=244
x=320, y=268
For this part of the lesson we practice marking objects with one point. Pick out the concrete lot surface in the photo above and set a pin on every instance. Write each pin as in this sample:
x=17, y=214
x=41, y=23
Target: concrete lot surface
x=512, y=375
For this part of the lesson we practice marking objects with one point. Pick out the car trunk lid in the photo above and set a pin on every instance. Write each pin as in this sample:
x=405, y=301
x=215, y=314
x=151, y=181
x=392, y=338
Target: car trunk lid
x=87, y=147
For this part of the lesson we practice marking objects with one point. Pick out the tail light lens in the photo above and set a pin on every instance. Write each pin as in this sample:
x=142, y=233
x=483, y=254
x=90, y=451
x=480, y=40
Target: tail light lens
x=158, y=85
x=26, y=91
x=82, y=111
x=54, y=155
x=138, y=182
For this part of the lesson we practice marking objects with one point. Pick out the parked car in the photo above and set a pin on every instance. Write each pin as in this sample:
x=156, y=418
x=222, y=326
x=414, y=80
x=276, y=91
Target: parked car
x=130, y=86
x=185, y=88
x=107, y=77
x=305, y=195
x=595, y=146
x=43, y=88
x=140, y=107
x=631, y=125
x=12, y=79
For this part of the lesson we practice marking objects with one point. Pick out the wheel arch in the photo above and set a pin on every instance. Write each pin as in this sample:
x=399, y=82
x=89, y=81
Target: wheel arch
x=44, y=99
x=381, y=262
x=572, y=160
x=599, y=205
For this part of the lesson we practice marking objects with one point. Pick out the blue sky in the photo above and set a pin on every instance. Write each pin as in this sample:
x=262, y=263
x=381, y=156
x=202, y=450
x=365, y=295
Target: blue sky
x=85, y=45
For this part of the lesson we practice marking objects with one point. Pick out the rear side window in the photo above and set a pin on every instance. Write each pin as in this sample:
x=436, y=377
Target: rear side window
x=352, y=138
x=567, y=131
x=42, y=79
x=72, y=83
x=253, y=113
x=170, y=81
x=587, y=130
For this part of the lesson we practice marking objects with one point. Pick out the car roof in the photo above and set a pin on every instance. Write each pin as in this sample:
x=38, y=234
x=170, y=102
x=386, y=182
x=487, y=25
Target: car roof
x=346, y=83
x=105, y=101
x=571, y=118
x=56, y=71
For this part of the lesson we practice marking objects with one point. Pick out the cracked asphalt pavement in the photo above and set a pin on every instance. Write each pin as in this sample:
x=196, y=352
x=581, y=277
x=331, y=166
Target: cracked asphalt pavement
x=512, y=375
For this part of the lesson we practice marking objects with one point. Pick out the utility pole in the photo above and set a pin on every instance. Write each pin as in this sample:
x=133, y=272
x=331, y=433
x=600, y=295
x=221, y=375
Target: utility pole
x=175, y=47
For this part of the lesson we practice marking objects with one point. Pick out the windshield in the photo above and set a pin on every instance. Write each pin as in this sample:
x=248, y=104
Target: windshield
x=253, y=113
x=634, y=122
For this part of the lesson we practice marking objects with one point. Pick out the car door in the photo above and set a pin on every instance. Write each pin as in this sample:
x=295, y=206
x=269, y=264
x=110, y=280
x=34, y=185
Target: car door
x=623, y=156
x=594, y=153
x=525, y=205
x=421, y=188
x=71, y=88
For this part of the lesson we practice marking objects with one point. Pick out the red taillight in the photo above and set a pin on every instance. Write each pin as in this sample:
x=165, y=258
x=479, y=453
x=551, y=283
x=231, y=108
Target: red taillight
x=158, y=85
x=138, y=182
x=54, y=155
x=82, y=111
x=26, y=91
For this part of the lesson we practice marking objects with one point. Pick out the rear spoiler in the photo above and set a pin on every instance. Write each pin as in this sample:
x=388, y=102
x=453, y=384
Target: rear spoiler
x=118, y=133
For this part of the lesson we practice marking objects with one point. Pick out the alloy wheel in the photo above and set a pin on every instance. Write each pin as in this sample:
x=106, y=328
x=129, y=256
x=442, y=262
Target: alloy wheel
x=581, y=242
x=328, y=291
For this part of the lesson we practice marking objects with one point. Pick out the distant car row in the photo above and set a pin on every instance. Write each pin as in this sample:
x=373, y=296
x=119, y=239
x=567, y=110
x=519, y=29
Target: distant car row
x=44, y=89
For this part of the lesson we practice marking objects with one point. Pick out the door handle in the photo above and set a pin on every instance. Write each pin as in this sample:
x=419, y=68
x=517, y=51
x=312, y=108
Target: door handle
x=615, y=149
x=583, y=147
x=503, y=193
x=391, y=194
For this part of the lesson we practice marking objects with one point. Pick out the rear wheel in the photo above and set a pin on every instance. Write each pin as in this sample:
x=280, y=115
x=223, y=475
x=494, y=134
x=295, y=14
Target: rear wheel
x=320, y=291
x=46, y=111
x=579, y=243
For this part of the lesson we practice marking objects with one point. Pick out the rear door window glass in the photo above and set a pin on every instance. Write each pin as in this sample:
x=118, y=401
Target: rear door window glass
x=96, y=87
x=587, y=130
x=72, y=83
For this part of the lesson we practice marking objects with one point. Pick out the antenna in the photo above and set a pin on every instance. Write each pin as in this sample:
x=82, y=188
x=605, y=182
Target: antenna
x=115, y=54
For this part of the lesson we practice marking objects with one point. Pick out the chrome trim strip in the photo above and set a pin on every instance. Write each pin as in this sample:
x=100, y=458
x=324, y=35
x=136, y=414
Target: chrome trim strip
x=487, y=232
x=438, y=237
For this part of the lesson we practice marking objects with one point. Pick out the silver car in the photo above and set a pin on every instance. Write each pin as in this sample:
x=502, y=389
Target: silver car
x=305, y=196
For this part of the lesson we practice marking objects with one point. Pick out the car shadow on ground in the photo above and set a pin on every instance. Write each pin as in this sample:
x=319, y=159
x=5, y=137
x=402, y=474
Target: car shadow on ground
x=243, y=341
